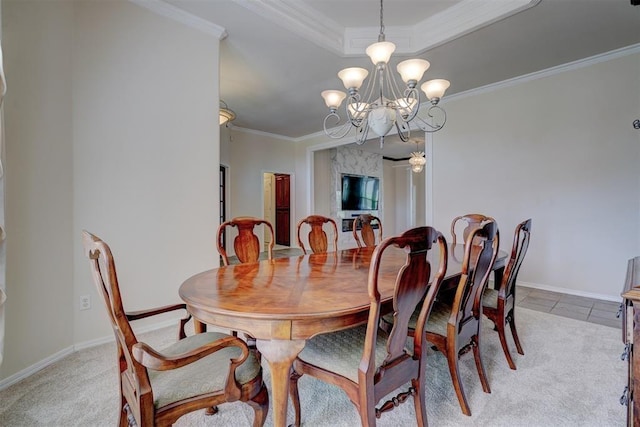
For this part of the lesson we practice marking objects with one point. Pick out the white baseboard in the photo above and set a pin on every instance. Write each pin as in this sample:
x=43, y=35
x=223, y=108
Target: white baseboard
x=616, y=298
x=27, y=372
x=19, y=376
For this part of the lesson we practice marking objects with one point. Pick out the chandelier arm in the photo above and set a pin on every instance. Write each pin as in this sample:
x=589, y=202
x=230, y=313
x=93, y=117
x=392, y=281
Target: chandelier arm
x=393, y=86
x=407, y=95
x=360, y=114
x=367, y=94
x=336, y=132
x=361, y=134
x=411, y=93
x=430, y=127
x=404, y=131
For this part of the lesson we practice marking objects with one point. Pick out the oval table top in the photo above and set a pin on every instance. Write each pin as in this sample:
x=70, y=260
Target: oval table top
x=300, y=296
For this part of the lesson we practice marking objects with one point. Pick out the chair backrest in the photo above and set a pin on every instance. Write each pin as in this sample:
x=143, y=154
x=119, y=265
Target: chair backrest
x=365, y=223
x=518, y=251
x=472, y=221
x=246, y=244
x=476, y=266
x=411, y=289
x=133, y=375
x=317, y=237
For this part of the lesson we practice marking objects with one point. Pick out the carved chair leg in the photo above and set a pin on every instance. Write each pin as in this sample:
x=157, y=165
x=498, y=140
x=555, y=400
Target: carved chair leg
x=454, y=370
x=420, y=402
x=367, y=414
x=512, y=324
x=505, y=347
x=295, y=396
x=480, y=367
x=260, y=405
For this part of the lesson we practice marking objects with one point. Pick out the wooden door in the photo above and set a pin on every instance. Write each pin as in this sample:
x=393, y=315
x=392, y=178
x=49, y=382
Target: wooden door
x=283, y=197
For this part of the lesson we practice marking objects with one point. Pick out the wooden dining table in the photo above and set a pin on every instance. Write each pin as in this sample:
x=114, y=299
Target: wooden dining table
x=285, y=301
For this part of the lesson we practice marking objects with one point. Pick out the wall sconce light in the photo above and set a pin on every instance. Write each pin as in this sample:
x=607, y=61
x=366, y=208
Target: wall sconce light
x=226, y=114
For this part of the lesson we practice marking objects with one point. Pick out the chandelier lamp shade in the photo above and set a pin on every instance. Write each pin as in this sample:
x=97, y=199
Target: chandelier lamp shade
x=381, y=105
x=226, y=114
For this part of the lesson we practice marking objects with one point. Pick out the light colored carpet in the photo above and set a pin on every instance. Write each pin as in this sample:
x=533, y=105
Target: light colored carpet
x=571, y=375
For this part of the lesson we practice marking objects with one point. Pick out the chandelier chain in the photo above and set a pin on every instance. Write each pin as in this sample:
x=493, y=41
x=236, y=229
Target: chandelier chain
x=381, y=37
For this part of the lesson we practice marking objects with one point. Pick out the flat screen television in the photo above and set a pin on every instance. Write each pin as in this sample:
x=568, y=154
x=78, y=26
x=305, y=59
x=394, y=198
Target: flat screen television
x=360, y=193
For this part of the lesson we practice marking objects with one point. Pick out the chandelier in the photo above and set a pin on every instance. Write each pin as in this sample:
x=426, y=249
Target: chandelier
x=226, y=115
x=381, y=105
x=417, y=161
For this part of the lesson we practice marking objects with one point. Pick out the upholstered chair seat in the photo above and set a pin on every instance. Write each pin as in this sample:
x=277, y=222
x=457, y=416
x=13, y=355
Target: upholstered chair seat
x=490, y=298
x=201, y=376
x=341, y=351
x=438, y=319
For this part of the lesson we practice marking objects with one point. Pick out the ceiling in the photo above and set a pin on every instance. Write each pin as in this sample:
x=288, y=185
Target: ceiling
x=280, y=54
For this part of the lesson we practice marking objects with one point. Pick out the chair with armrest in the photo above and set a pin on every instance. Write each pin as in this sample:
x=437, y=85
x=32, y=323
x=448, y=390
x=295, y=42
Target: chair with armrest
x=366, y=362
x=197, y=372
x=455, y=328
x=246, y=244
x=471, y=220
x=366, y=223
x=317, y=237
x=498, y=304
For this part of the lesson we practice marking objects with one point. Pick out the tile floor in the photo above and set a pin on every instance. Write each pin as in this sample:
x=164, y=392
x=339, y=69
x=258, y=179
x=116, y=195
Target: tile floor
x=576, y=307
x=581, y=308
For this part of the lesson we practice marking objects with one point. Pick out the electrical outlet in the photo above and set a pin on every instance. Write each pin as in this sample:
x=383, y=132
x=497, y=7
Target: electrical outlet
x=85, y=302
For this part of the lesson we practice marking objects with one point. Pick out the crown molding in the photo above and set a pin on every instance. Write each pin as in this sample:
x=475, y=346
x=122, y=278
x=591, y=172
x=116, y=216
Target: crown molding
x=179, y=15
x=265, y=134
x=456, y=21
x=463, y=18
x=297, y=17
x=570, y=66
x=305, y=21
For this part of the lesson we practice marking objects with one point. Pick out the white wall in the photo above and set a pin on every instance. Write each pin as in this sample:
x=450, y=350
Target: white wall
x=110, y=127
x=560, y=150
x=37, y=39
x=322, y=179
x=251, y=155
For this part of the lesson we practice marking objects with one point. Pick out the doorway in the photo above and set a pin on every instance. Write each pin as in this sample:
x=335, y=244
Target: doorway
x=223, y=201
x=277, y=206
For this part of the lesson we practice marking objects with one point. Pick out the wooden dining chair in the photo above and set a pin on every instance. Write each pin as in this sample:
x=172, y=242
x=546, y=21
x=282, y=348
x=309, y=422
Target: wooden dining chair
x=455, y=328
x=197, y=372
x=246, y=244
x=366, y=362
x=366, y=224
x=317, y=237
x=498, y=304
x=471, y=221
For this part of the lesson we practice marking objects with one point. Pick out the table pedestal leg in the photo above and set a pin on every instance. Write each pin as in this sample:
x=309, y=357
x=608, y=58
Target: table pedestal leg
x=280, y=355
